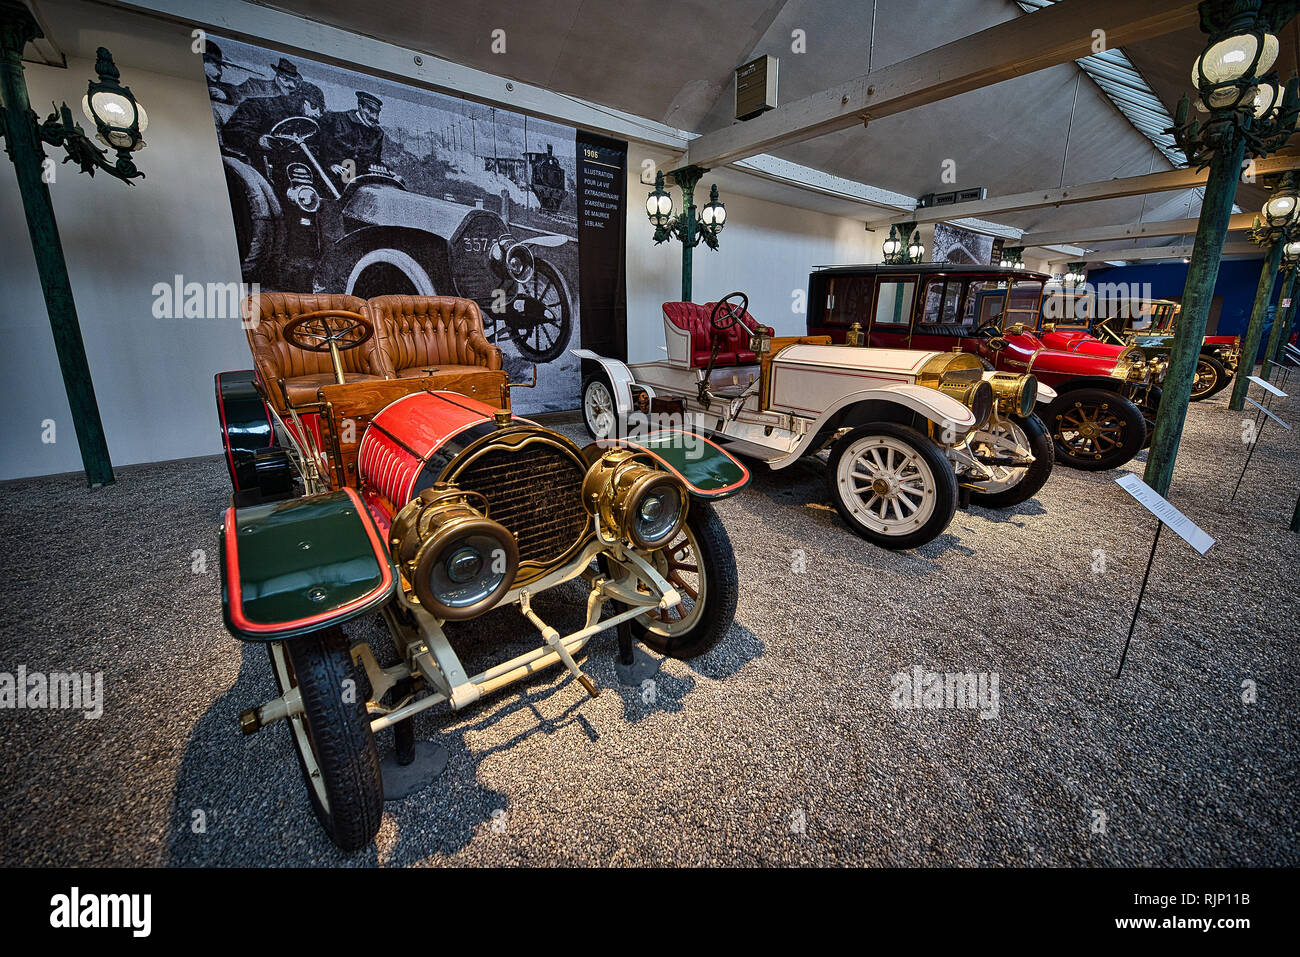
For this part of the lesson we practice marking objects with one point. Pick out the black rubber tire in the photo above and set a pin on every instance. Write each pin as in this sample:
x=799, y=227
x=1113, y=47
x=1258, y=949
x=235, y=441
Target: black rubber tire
x=1135, y=429
x=717, y=563
x=340, y=735
x=945, y=480
x=1036, y=476
x=588, y=382
x=1221, y=377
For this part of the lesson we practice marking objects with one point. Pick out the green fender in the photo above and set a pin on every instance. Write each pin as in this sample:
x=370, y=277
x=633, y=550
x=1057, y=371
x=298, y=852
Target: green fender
x=708, y=470
x=296, y=566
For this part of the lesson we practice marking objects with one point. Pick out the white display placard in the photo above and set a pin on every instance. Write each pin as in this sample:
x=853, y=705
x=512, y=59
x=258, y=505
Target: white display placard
x=1268, y=413
x=1159, y=506
x=1267, y=386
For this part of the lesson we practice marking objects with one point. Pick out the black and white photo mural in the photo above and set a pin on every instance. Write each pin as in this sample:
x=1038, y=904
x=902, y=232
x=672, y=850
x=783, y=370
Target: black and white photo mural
x=342, y=182
x=953, y=244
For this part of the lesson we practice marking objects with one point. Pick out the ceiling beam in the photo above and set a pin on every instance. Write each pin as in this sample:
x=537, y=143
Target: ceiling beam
x=1102, y=234
x=1156, y=252
x=1057, y=34
x=1166, y=181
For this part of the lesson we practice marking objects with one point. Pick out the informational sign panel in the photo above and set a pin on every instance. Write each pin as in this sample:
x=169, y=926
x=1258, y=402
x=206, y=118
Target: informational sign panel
x=1268, y=413
x=602, y=243
x=1160, y=507
x=1267, y=386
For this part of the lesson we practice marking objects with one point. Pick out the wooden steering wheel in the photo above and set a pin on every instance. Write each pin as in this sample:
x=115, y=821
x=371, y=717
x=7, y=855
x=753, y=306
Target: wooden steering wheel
x=329, y=330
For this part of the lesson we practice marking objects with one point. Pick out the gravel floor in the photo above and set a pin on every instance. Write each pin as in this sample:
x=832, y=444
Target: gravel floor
x=779, y=747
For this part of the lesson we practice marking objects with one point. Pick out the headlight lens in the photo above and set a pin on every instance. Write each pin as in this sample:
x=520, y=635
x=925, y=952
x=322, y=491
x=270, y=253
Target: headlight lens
x=1015, y=392
x=634, y=501
x=976, y=396
x=459, y=562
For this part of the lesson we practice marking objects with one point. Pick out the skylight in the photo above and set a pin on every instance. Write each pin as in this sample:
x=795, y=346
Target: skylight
x=1115, y=74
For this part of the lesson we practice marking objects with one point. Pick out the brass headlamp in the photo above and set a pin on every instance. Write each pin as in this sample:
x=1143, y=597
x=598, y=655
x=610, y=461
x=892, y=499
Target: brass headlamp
x=459, y=562
x=632, y=501
x=1015, y=392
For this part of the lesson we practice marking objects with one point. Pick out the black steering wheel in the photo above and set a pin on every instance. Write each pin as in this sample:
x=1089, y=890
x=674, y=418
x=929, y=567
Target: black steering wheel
x=292, y=131
x=726, y=313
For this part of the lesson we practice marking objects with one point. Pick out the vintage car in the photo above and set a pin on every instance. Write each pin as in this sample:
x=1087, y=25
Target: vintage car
x=378, y=470
x=907, y=432
x=1149, y=324
x=367, y=235
x=1098, y=418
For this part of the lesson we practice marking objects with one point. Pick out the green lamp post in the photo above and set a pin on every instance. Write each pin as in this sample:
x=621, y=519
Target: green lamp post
x=1012, y=257
x=1248, y=113
x=1281, y=214
x=119, y=123
x=1282, y=318
x=899, y=254
x=689, y=230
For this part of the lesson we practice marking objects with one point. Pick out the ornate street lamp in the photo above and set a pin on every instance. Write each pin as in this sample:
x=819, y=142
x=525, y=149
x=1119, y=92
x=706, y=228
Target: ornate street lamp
x=685, y=227
x=1247, y=113
x=119, y=122
x=1011, y=258
x=892, y=246
x=898, y=255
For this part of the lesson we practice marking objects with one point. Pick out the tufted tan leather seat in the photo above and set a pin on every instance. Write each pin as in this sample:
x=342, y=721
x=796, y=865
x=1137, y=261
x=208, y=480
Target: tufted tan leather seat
x=432, y=335
x=304, y=372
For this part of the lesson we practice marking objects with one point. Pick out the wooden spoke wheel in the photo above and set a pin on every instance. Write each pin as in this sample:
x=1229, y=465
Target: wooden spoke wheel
x=1096, y=430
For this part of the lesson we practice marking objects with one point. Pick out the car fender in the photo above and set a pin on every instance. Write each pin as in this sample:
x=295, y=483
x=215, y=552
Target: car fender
x=943, y=410
x=296, y=566
x=707, y=470
x=620, y=377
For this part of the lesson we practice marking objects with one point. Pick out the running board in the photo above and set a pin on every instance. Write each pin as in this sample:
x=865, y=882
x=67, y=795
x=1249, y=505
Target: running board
x=753, y=450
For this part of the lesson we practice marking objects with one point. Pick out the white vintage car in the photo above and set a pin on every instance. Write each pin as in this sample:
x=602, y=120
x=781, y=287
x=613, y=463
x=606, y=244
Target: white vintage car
x=908, y=432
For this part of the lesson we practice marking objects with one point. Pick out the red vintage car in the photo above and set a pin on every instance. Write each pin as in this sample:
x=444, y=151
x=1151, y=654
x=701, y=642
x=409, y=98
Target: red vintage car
x=1098, y=419
x=378, y=470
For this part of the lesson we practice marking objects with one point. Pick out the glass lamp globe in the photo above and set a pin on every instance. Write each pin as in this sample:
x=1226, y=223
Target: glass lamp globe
x=1004, y=263
x=891, y=246
x=1292, y=249
x=106, y=108
x=1282, y=208
x=1267, y=98
x=714, y=213
x=659, y=206
x=1232, y=57
x=915, y=250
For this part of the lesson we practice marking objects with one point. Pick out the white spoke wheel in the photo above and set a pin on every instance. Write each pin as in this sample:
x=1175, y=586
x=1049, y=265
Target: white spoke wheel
x=892, y=485
x=1012, y=436
x=599, y=409
x=336, y=751
x=700, y=565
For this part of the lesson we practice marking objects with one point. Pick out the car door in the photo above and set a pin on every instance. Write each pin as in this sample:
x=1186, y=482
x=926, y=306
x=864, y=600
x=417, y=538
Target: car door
x=891, y=317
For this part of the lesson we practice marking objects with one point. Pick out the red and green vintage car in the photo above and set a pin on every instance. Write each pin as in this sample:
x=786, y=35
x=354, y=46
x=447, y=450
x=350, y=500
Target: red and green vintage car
x=1098, y=419
x=362, y=491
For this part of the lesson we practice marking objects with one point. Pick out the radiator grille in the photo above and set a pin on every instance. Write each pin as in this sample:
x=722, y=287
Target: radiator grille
x=535, y=491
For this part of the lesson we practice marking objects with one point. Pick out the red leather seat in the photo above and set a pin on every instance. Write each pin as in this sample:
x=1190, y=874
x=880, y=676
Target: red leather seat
x=692, y=317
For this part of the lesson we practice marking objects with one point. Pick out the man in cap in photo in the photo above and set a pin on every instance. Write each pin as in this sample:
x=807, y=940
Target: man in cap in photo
x=219, y=91
x=353, y=135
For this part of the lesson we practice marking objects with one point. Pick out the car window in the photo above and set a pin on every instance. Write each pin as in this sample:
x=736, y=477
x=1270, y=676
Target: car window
x=1022, y=304
x=847, y=298
x=942, y=313
x=894, y=302
x=984, y=302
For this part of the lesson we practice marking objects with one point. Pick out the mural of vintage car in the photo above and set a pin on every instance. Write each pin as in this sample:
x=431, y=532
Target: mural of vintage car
x=1149, y=324
x=1098, y=417
x=908, y=432
x=367, y=235
x=362, y=489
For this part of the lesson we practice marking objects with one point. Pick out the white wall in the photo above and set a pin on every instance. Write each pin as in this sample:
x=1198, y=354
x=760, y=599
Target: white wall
x=152, y=377
x=766, y=251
